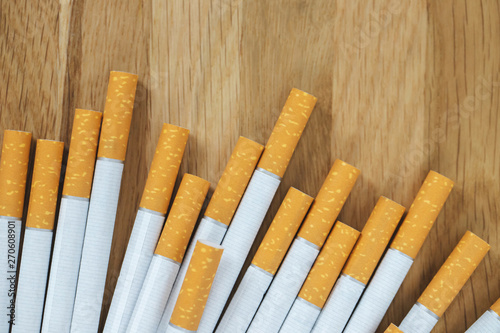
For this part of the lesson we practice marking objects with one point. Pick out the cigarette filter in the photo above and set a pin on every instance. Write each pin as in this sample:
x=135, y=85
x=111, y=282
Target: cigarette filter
x=147, y=226
x=73, y=211
x=393, y=329
x=104, y=201
x=256, y=201
x=446, y=284
x=13, y=170
x=320, y=281
x=489, y=322
x=168, y=255
x=37, y=243
x=398, y=259
x=305, y=248
x=359, y=267
x=191, y=302
x=220, y=210
x=265, y=263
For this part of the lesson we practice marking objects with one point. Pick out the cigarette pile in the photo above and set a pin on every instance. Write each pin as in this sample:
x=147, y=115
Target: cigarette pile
x=311, y=273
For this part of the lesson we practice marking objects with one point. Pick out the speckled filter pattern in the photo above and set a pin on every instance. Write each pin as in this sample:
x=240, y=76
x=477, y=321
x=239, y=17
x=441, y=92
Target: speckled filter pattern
x=422, y=214
x=454, y=273
x=182, y=217
x=196, y=286
x=13, y=171
x=287, y=131
x=117, y=115
x=45, y=184
x=328, y=265
x=329, y=202
x=234, y=180
x=374, y=238
x=82, y=153
x=393, y=329
x=164, y=168
x=282, y=231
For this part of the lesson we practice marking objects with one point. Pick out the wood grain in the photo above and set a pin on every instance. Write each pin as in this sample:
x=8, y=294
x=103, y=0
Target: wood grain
x=403, y=87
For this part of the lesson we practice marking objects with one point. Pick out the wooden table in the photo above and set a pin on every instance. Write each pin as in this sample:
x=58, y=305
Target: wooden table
x=402, y=88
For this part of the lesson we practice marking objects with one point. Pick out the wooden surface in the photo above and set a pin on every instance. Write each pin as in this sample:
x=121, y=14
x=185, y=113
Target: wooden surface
x=402, y=88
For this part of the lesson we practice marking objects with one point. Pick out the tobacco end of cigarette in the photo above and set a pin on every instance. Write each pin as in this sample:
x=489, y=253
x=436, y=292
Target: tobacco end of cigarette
x=393, y=329
x=182, y=217
x=234, y=180
x=328, y=266
x=164, y=168
x=282, y=230
x=329, y=202
x=82, y=152
x=45, y=184
x=196, y=287
x=117, y=115
x=13, y=171
x=496, y=307
x=287, y=131
x=422, y=214
x=454, y=273
x=374, y=239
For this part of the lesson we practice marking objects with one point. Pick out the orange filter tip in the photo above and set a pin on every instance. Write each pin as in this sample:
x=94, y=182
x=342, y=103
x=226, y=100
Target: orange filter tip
x=282, y=231
x=374, y=239
x=329, y=202
x=454, y=273
x=423, y=212
x=496, y=307
x=287, y=131
x=45, y=184
x=328, y=265
x=117, y=115
x=196, y=287
x=164, y=168
x=234, y=180
x=13, y=171
x=393, y=329
x=82, y=153
x=182, y=217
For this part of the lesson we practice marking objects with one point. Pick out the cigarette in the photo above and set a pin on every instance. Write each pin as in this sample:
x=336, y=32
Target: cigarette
x=393, y=329
x=360, y=266
x=70, y=231
x=265, y=263
x=196, y=287
x=446, y=284
x=104, y=201
x=256, y=201
x=305, y=248
x=38, y=234
x=220, y=210
x=147, y=226
x=489, y=322
x=320, y=281
x=13, y=171
x=168, y=255
x=398, y=259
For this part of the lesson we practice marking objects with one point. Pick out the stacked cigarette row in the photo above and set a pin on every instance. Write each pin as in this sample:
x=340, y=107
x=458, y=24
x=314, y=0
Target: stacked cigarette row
x=256, y=201
x=305, y=248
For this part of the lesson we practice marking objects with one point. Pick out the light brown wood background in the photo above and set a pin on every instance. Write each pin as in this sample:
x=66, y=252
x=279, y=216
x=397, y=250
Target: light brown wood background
x=403, y=87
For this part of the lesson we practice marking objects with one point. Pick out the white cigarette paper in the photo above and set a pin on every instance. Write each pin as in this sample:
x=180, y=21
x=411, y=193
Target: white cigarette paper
x=285, y=287
x=301, y=318
x=489, y=322
x=419, y=320
x=32, y=280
